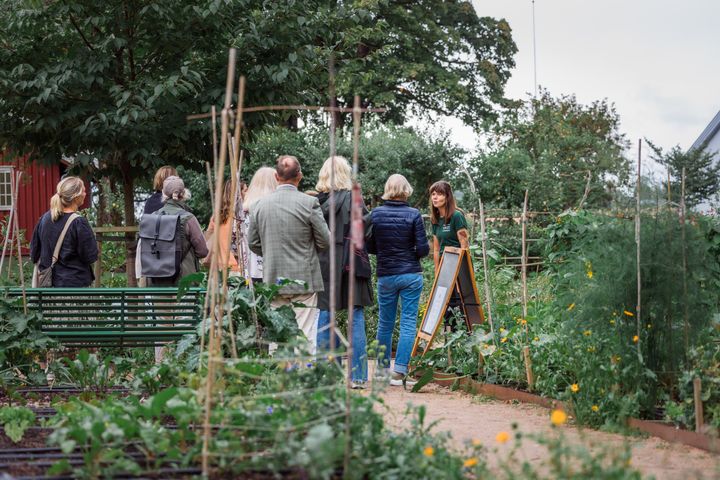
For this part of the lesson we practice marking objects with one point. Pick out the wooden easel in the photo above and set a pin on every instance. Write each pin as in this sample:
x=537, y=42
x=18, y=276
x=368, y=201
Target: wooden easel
x=455, y=273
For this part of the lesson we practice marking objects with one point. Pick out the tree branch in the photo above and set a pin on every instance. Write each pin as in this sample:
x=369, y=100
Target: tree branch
x=77, y=27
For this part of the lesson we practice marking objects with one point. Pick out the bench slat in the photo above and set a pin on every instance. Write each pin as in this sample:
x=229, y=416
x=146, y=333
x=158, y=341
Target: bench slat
x=114, y=316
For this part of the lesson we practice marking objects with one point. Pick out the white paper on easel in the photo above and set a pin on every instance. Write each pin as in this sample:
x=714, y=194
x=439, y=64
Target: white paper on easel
x=435, y=310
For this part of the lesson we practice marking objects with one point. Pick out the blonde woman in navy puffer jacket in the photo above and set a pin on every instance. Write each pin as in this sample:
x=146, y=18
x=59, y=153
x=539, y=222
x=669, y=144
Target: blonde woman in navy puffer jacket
x=399, y=240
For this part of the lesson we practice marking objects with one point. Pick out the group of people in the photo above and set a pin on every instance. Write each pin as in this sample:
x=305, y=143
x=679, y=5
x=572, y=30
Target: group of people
x=282, y=233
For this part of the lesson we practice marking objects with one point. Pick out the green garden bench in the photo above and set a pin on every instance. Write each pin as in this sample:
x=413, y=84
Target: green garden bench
x=114, y=317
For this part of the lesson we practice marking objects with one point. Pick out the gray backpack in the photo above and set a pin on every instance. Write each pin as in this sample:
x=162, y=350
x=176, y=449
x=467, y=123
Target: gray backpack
x=160, y=245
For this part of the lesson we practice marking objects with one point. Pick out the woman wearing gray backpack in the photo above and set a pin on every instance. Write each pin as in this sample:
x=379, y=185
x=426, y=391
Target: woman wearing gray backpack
x=186, y=249
x=63, y=246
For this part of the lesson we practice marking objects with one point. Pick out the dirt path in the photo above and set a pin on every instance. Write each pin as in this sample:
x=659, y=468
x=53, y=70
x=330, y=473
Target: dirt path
x=467, y=417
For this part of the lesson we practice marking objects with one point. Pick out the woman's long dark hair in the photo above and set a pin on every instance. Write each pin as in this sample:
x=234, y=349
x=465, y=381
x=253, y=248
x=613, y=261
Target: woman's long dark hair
x=444, y=188
x=226, y=202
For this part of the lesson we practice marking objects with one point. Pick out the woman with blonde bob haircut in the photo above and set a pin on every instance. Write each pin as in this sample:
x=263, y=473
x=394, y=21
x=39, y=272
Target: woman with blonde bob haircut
x=399, y=241
x=397, y=188
x=78, y=250
x=339, y=168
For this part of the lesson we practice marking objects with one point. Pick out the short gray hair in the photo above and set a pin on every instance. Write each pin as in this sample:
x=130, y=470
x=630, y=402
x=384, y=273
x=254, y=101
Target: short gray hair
x=397, y=188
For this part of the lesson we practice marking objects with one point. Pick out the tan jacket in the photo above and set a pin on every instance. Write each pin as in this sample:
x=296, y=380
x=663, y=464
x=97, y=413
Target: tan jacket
x=287, y=228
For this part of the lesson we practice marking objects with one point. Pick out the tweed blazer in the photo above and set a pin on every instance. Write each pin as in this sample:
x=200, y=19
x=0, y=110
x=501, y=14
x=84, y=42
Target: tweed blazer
x=288, y=228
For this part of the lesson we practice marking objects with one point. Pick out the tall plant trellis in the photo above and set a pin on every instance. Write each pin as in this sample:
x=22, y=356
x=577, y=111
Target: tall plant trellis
x=217, y=290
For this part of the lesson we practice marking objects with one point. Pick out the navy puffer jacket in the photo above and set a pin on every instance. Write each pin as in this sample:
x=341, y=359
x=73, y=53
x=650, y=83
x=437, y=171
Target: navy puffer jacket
x=398, y=238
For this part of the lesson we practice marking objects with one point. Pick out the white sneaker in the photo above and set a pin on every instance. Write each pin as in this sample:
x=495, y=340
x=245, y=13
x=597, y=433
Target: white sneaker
x=358, y=385
x=398, y=380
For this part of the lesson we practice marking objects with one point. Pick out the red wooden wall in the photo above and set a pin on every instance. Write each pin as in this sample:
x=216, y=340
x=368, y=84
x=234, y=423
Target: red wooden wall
x=37, y=186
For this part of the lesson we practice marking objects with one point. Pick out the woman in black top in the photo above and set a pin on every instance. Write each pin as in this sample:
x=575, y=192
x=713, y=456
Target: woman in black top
x=79, y=249
x=154, y=201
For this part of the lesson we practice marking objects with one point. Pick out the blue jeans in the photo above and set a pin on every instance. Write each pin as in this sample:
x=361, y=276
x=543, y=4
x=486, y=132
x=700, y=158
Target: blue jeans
x=406, y=287
x=359, y=358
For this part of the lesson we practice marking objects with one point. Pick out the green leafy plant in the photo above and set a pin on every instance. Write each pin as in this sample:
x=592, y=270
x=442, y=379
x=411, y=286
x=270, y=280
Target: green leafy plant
x=22, y=344
x=15, y=421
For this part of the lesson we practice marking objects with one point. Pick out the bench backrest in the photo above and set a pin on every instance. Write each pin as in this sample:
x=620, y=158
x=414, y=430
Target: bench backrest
x=114, y=316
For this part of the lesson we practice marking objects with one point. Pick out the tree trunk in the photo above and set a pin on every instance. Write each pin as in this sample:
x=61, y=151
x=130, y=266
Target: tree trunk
x=103, y=215
x=129, y=206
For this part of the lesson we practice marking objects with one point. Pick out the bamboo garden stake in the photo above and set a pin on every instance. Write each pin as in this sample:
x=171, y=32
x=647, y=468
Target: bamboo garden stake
x=638, y=309
x=686, y=321
x=526, y=348
x=215, y=305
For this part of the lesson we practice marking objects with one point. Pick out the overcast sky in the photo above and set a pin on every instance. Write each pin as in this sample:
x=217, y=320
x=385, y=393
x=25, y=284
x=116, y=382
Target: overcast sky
x=657, y=60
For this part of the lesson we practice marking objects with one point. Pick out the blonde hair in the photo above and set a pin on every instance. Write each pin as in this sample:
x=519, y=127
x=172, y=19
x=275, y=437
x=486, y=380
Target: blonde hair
x=68, y=189
x=342, y=175
x=161, y=175
x=263, y=183
x=397, y=188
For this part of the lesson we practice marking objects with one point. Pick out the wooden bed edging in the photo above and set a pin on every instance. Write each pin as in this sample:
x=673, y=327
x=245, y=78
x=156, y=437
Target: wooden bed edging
x=497, y=391
x=676, y=435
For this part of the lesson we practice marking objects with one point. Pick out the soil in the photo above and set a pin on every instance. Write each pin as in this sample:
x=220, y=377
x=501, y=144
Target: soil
x=468, y=417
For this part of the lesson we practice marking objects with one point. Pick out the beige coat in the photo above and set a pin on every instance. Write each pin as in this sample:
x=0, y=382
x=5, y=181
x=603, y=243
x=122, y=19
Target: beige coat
x=287, y=228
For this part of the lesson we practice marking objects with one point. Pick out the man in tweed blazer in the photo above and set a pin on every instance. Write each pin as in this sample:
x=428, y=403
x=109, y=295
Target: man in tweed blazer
x=288, y=228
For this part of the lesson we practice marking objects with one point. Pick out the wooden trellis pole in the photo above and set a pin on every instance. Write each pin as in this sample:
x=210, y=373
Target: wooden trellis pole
x=697, y=397
x=213, y=342
x=355, y=243
x=333, y=221
x=638, y=308
x=486, y=270
x=686, y=320
x=526, y=348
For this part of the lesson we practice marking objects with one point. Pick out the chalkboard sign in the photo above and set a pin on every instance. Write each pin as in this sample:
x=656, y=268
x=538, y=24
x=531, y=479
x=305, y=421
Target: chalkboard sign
x=455, y=273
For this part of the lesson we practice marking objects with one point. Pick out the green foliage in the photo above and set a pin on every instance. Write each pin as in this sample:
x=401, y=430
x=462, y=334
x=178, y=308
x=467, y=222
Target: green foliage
x=108, y=83
x=101, y=432
x=702, y=172
x=22, y=342
x=87, y=371
x=15, y=420
x=549, y=146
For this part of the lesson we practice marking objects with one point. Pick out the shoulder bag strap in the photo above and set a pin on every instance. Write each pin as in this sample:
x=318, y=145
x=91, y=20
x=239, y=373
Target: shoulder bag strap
x=59, y=243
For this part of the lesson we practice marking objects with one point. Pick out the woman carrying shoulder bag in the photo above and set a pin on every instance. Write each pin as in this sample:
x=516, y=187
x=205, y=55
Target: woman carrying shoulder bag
x=363, y=288
x=63, y=246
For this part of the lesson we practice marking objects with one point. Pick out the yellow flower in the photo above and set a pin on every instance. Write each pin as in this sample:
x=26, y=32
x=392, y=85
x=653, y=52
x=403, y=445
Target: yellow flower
x=591, y=349
x=558, y=417
x=612, y=322
x=502, y=437
x=536, y=339
x=476, y=442
x=503, y=340
x=571, y=306
x=523, y=322
x=649, y=325
x=595, y=408
x=587, y=333
x=575, y=388
x=428, y=451
x=470, y=462
x=502, y=329
x=635, y=339
x=629, y=314
x=589, y=274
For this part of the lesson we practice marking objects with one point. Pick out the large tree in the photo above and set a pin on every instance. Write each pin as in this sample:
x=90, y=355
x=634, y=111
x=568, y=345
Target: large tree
x=558, y=149
x=702, y=172
x=110, y=83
